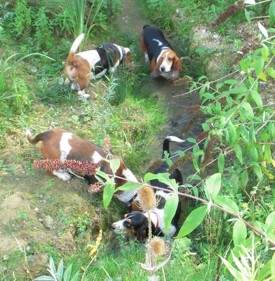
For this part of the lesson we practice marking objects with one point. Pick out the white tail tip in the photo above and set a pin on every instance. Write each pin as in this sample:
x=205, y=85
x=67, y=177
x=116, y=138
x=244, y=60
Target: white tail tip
x=174, y=139
x=77, y=43
x=28, y=132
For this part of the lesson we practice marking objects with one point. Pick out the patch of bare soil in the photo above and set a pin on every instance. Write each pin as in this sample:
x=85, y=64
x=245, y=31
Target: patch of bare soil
x=39, y=214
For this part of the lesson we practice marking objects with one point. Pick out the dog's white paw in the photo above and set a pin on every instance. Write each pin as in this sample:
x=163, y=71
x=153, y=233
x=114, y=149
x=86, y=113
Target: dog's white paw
x=83, y=95
x=62, y=175
x=67, y=82
x=75, y=86
x=146, y=57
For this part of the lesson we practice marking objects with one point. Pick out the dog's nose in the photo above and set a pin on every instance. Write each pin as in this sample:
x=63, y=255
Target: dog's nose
x=162, y=68
x=113, y=226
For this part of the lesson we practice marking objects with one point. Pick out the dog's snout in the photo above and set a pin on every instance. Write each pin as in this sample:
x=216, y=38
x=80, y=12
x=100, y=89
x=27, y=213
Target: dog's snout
x=113, y=226
x=162, y=69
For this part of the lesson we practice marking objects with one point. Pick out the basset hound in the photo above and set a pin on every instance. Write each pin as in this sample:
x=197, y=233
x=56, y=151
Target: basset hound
x=163, y=59
x=93, y=64
x=135, y=224
x=63, y=145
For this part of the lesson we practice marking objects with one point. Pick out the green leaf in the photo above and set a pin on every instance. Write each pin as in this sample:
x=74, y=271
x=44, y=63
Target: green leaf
x=99, y=175
x=258, y=171
x=75, y=277
x=128, y=186
x=44, y=278
x=264, y=272
x=271, y=71
x=231, y=81
x=235, y=273
x=213, y=185
x=170, y=209
x=259, y=65
x=270, y=221
x=52, y=266
x=244, y=179
x=257, y=98
x=227, y=203
x=232, y=132
x=267, y=153
x=271, y=14
x=247, y=16
x=194, y=219
x=273, y=267
x=114, y=164
x=67, y=273
x=162, y=177
x=108, y=193
x=192, y=140
x=265, y=52
x=253, y=153
x=262, y=76
x=239, y=233
x=239, y=153
x=60, y=270
x=150, y=176
x=244, y=133
x=238, y=90
x=221, y=162
x=248, y=109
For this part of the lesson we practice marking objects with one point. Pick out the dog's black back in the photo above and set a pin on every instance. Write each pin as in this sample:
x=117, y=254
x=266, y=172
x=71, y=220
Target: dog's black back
x=176, y=175
x=155, y=41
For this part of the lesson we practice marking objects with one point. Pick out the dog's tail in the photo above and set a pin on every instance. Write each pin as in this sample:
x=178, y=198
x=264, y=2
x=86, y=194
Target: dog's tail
x=166, y=142
x=36, y=139
x=77, y=43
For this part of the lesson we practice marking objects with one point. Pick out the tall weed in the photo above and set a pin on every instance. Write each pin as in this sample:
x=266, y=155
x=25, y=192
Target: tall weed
x=22, y=20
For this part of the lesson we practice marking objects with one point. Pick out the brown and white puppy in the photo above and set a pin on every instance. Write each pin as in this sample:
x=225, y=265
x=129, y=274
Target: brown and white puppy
x=163, y=60
x=135, y=224
x=59, y=144
x=85, y=66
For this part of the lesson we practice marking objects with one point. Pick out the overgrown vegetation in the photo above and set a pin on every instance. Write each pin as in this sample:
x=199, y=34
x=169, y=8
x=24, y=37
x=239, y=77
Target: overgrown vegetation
x=231, y=218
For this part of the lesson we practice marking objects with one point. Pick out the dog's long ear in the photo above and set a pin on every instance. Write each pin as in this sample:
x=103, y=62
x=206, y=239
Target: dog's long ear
x=127, y=58
x=176, y=64
x=154, y=68
x=142, y=232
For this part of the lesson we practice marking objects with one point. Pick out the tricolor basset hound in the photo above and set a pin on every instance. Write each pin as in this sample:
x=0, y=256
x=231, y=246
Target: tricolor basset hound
x=135, y=224
x=85, y=66
x=163, y=60
x=63, y=145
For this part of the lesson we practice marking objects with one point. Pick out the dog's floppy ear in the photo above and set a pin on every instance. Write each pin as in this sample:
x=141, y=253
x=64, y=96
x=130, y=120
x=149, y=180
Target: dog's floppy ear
x=142, y=232
x=127, y=58
x=154, y=68
x=176, y=64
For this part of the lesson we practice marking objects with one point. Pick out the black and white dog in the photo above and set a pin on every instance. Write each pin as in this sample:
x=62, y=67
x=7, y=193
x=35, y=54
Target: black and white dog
x=158, y=51
x=135, y=224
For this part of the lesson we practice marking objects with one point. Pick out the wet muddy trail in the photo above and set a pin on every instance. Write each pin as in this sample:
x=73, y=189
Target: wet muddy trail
x=174, y=97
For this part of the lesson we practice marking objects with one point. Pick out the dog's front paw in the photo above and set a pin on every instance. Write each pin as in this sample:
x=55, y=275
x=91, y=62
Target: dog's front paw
x=62, y=175
x=67, y=82
x=83, y=95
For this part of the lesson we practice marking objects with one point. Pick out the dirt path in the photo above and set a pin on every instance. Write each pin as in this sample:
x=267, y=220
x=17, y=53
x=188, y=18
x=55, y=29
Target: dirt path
x=173, y=97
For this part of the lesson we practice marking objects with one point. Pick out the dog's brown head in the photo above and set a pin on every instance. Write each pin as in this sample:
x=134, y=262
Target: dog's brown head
x=168, y=65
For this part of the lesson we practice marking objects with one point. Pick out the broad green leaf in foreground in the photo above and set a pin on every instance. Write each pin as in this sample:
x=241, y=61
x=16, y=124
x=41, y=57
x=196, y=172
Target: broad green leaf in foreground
x=193, y=221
